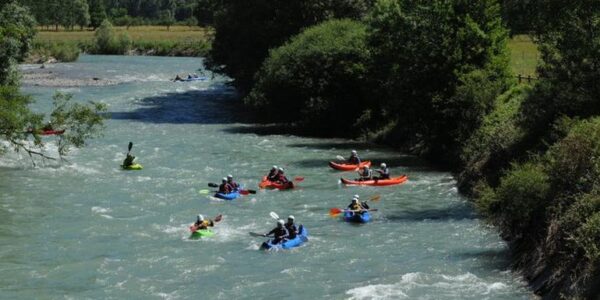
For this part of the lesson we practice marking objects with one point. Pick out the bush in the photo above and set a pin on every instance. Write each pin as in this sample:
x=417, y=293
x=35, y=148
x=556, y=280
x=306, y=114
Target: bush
x=588, y=238
x=61, y=51
x=317, y=78
x=577, y=214
x=108, y=43
x=520, y=198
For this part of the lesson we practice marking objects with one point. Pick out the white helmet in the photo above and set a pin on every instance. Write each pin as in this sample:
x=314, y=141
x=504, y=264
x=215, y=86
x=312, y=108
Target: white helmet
x=356, y=196
x=280, y=222
x=291, y=217
x=281, y=169
x=383, y=165
x=354, y=199
x=201, y=217
x=230, y=176
x=224, y=179
x=275, y=167
x=353, y=151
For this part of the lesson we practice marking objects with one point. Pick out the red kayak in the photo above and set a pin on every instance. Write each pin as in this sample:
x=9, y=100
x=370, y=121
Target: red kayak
x=349, y=167
x=52, y=132
x=268, y=184
x=377, y=182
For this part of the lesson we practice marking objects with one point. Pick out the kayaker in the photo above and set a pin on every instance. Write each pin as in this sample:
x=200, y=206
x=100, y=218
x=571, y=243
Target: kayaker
x=233, y=184
x=279, y=233
x=354, y=159
x=365, y=174
x=48, y=127
x=178, y=78
x=189, y=76
x=225, y=188
x=202, y=223
x=272, y=176
x=384, y=172
x=291, y=227
x=128, y=160
x=357, y=207
x=280, y=178
x=364, y=203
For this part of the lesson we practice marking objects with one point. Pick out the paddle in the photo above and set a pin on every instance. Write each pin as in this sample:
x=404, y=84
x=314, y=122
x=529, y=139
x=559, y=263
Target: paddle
x=336, y=211
x=298, y=178
x=243, y=192
x=256, y=234
x=340, y=157
x=129, y=147
x=274, y=215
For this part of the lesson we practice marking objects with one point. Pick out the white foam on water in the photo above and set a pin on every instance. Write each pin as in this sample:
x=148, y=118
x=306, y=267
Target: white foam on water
x=100, y=210
x=377, y=291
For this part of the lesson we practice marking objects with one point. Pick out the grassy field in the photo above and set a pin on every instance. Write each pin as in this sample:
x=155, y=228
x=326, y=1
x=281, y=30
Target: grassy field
x=524, y=55
x=137, y=33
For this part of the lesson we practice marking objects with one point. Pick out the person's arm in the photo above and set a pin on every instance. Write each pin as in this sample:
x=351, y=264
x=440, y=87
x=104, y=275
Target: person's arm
x=270, y=232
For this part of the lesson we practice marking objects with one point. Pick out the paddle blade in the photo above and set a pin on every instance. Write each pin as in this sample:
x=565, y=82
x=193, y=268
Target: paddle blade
x=218, y=218
x=129, y=147
x=299, y=178
x=340, y=157
x=213, y=185
x=244, y=192
x=203, y=192
x=274, y=215
x=335, y=211
x=375, y=198
x=255, y=234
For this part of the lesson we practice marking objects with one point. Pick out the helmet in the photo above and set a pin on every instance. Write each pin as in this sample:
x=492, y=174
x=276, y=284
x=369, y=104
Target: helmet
x=353, y=151
x=281, y=169
x=354, y=200
x=280, y=222
x=291, y=217
x=383, y=165
x=230, y=176
x=201, y=217
x=356, y=196
x=224, y=179
x=275, y=167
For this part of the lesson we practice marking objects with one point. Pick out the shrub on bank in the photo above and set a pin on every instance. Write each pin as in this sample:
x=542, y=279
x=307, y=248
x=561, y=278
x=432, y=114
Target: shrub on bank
x=318, y=78
x=107, y=41
x=63, y=52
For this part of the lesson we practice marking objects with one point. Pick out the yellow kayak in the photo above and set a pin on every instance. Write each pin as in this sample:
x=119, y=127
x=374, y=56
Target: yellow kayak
x=135, y=166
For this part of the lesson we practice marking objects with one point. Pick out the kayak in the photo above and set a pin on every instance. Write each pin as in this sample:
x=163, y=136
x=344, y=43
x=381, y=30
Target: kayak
x=52, y=132
x=300, y=239
x=201, y=78
x=229, y=196
x=268, y=184
x=201, y=233
x=350, y=216
x=349, y=167
x=377, y=182
x=135, y=166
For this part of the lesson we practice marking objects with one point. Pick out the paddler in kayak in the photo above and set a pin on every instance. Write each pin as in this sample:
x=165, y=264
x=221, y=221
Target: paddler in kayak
x=272, y=176
x=354, y=159
x=365, y=174
x=225, y=188
x=280, y=234
x=128, y=160
x=357, y=207
x=48, y=127
x=178, y=78
x=202, y=223
x=234, y=186
x=291, y=228
x=384, y=172
x=280, y=178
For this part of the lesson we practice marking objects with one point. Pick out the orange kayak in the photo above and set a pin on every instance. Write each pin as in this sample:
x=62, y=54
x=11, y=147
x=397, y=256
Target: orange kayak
x=377, y=182
x=267, y=184
x=349, y=167
x=52, y=132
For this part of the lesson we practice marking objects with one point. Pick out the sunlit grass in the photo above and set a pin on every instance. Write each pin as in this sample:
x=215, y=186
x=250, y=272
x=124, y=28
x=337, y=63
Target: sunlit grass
x=524, y=55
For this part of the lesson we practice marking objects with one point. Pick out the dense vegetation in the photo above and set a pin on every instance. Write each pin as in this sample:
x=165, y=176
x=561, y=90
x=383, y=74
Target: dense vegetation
x=433, y=77
x=17, y=122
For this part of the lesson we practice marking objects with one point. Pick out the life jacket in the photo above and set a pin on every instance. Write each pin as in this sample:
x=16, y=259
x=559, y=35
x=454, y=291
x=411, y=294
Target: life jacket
x=233, y=185
x=355, y=206
x=292, y=230
x=225, y=188
x=355, y=160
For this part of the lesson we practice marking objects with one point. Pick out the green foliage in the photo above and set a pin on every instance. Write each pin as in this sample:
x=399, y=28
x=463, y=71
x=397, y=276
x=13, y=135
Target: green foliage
x=166, y=18
x=73, y=12
x=588, y=238
x=83, y=121
x=15, y=117
x=62, y=52
x=318, y=75
x=97, y=13
x=519, y=200
x=574, y=162
x=246, y=30
x=430, y=56
x=107, y=41
x=17, y=29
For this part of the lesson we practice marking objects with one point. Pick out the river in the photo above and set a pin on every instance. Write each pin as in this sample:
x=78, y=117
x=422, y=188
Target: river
x=85, y=229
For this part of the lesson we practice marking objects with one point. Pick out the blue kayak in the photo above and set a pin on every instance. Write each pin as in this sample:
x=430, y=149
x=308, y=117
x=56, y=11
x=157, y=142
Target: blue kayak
x=350, y=216
x=200, y=78
x=300, y=239
x=229, y=196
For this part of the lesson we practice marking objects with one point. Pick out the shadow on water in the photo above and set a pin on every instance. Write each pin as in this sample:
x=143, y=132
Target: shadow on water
x=455, y=212
x=212, y=106
x=498, y=259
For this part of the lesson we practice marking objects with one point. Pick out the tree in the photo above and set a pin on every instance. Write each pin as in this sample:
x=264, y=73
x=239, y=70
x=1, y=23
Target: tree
x=246, y=30
x=166, y=19
x=318, y=75
x=17, y=29
x=82, y=15
x=97, y=13
x=430, y=58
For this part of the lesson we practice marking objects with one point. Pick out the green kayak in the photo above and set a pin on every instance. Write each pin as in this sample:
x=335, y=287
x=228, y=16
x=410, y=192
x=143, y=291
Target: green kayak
x=201, y=233
x=135, y=166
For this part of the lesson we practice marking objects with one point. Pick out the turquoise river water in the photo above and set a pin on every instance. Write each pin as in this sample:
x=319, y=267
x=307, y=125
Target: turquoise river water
x=85, y=229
